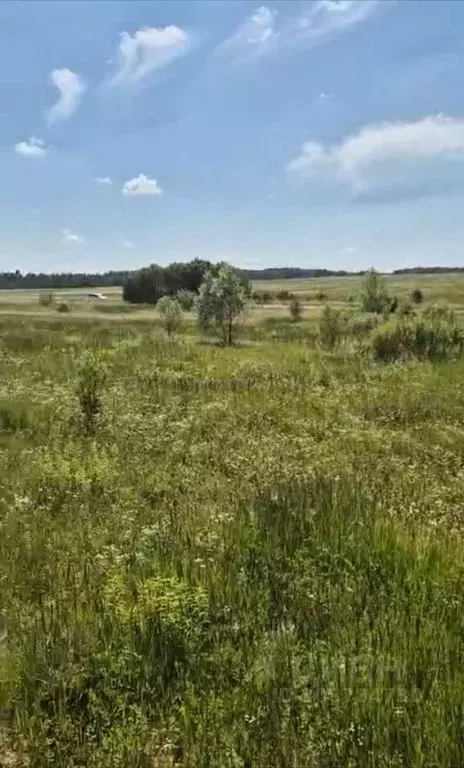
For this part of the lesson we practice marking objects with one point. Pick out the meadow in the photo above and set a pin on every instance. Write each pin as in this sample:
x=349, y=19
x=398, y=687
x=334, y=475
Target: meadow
x=245, y=557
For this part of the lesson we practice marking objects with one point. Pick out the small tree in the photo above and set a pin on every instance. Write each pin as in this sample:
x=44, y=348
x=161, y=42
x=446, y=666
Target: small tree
x=374, y=294
x=296, y=309
x=417, y=297
x=330, y=327
x=170, y=313
x=221, y=301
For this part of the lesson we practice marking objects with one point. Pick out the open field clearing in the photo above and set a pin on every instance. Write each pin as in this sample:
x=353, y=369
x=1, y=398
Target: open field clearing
x=245, y=557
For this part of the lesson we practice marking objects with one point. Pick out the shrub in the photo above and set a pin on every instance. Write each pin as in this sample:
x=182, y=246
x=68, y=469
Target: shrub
x=374, y=295
x=63, y=307
x=330, y=327
x=91, y=378
x=361, y=325
x=262, y=297
x=417, y=297
x=320, y=296
x=46, y=299
x=405, y=309
x=186, y=300
x=284, y=295
x=435, y=335
x=296, y=309
x=170, y=313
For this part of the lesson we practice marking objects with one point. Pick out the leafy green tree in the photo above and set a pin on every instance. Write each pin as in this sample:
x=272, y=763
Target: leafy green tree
x=171, y=314
x=145, y=286
x=374, y=294
x=221, y=301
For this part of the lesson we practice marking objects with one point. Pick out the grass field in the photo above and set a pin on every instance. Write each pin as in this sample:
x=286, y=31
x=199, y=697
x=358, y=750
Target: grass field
x=246, y=557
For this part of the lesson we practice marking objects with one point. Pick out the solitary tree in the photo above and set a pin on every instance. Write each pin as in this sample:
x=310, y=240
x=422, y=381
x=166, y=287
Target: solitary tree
x=170, y=313
x=221, y=300
x=374, y=294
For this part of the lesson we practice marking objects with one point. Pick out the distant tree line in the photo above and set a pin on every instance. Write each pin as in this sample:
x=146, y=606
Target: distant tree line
x=427, y=270
x=45, y=281
x=177, y=276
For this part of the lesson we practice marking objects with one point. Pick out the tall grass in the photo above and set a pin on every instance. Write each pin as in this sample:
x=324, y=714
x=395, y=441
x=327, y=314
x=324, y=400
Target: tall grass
x=252, y=556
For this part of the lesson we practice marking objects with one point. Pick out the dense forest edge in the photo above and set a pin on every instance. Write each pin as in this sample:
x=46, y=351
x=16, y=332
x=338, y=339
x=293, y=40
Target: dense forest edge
x=19, y=280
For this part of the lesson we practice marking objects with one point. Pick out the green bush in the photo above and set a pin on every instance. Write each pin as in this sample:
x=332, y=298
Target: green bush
x=331, y=326
x=296, y=309
x=63, y=307
x=374, y=296
x=46, y=299
x=186, y=300
x=435, y=335
x=417, y=297
x=171, y=314
x=284, y=295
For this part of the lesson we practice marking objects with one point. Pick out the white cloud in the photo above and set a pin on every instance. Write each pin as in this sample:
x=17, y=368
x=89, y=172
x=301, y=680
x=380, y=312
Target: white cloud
x=149, y=49
x=323, y=96
x=261, y=34
x=253, y=36
x=128, y=244
x=382, y=149
x=33, y=147
x=141, y=185
x=70, y=237
x=71, y=86
x=104, y=180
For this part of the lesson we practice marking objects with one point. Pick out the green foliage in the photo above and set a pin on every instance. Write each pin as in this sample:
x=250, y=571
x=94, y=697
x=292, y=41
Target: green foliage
x=434, y=335
x=221, y=301
x=63, y=308
x=374, y=295
x=296, y=309
x=331, y=327
x=46, y=299
x=151, y=283
x=186, y=299
x=145, y=286
x=171, y=314
x=284, y=295
x=417, y=296
x=90, y=383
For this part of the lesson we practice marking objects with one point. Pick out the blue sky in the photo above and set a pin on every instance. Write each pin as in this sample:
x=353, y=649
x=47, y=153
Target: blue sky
x=320, y=133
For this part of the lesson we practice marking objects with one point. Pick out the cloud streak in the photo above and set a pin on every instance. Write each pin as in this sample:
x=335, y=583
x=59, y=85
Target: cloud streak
x=70, y=237
x=384, y=154
x=149, y=49
x=262, y=34
x=71, y=87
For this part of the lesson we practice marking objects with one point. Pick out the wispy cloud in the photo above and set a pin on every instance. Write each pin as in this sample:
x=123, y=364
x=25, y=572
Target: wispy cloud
x=128, y=244
x=141, y=185
x=33, y=147
x=382, y=152
x=71, y=87
x=70, y=237
x=104, y=180
x=149, y=49
x=262, y=34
